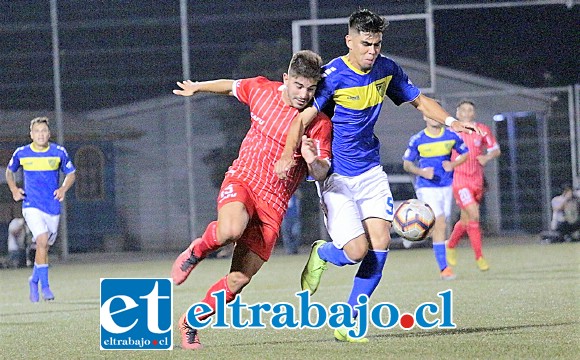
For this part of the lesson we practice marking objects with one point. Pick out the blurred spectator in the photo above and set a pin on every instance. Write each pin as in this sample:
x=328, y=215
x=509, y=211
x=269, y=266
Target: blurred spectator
x=17, y=243
x=565, y=214
x=292, y=225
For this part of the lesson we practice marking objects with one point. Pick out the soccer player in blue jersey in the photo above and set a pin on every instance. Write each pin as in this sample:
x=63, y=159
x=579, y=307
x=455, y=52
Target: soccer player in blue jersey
x=431, y=148
x=41, y=162
x=356, y=195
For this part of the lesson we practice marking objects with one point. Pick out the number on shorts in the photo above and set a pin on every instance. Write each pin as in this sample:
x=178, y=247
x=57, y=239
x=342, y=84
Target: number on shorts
x=389, y=206
x=464, y=195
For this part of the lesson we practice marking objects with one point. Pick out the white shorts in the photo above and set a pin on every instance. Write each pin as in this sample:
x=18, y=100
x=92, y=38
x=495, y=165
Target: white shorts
x=439, y=198
x=40, y=222
x=348, y=200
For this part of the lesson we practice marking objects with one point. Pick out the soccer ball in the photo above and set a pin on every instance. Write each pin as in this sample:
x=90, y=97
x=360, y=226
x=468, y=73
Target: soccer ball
x=413, y=220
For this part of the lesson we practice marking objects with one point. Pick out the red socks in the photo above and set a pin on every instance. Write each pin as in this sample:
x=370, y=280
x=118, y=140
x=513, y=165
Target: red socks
x=221, y=284
x=474, y=233
x=458, y=231
x=208, y=243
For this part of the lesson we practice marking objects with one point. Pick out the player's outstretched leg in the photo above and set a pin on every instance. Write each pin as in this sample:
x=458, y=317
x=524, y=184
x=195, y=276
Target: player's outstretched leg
x=185, y=263
x=189, y=335
x=313, y=269
x=365, y=282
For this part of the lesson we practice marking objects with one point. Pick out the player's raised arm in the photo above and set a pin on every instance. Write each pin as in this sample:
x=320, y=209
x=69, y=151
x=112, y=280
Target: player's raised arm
x=188, y=87
x=295, y=132
x=431, y=109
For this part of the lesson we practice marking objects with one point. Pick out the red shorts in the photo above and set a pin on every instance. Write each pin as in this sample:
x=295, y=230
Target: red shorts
x=264, y=226
x=466, y=195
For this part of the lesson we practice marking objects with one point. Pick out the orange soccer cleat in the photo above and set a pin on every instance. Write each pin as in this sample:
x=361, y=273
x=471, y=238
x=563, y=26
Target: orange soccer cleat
x=447, y=274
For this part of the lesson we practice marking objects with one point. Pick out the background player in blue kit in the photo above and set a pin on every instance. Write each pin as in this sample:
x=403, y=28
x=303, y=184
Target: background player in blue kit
x=431, y=148
x=356, y=195
x=41, y=162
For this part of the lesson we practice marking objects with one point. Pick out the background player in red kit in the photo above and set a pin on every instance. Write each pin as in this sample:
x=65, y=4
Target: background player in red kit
x=252, y=199
x=468, y=187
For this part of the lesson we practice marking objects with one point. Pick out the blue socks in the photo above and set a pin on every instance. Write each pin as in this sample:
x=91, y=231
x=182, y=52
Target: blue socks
x=369, y=272
x=40, y=272
x=368, y=276
x=439, y=250
x=329, y=252
x=34, y=277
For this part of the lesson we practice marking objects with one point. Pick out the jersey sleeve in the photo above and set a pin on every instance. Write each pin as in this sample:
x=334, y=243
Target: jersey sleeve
x=14, y=163
x=242, y=88
x=324, y=90
x=401, y=89
x=488, y=138
x=66, y=165
x=412, y=152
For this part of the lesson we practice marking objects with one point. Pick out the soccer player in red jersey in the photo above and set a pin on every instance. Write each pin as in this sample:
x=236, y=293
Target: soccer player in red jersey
x=468, y=187
x=253, y=200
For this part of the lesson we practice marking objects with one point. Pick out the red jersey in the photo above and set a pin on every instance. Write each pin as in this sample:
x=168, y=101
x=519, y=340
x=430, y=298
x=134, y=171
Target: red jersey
x=263, y=144
x=471, y=171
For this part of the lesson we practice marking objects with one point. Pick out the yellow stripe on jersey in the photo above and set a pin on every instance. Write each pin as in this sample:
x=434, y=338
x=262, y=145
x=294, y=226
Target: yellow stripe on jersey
x=438, y=148
x=362, y=97
x=40, y=163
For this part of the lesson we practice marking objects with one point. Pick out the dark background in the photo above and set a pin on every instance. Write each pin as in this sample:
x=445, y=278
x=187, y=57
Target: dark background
x=535, y=46
x=117, y=52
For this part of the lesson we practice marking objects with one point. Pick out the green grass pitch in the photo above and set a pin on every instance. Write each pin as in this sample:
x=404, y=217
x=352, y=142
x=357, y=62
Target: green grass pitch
x=526, y=307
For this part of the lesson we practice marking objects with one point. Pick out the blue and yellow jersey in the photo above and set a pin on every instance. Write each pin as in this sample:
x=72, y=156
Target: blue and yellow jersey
x=41, y=171
x=358, y=98
x=431, y=151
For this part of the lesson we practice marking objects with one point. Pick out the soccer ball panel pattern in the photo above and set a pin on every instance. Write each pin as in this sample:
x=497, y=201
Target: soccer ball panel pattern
x=413, y=220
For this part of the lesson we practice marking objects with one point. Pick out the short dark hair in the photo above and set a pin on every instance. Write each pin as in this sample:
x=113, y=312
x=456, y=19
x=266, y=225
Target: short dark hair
x=364, y=20
x=306, y=64
x=466, y=101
